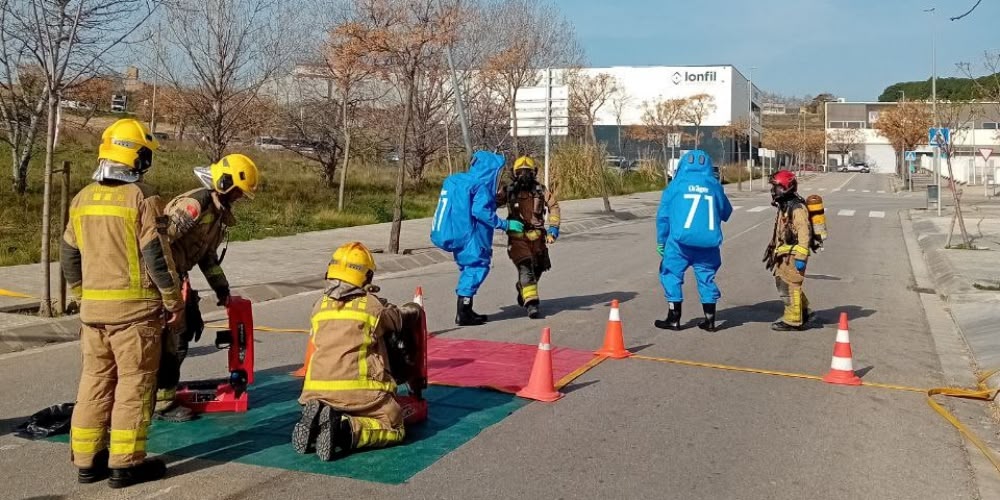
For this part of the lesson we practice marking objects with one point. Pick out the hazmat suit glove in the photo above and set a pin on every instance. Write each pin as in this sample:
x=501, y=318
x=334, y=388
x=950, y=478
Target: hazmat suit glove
x=515, y=226
x=659, y=249
x=800, y=266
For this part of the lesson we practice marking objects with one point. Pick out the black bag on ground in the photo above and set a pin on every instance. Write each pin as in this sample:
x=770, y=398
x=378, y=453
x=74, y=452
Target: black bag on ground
x=51, y=421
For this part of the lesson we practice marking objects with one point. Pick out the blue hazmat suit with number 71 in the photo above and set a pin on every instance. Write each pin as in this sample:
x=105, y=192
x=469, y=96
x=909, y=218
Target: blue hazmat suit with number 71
x=689, y=232
x=464, y=223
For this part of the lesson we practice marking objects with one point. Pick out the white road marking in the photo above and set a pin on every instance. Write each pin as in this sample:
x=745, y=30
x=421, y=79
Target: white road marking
x=759, y=209
x=876, y=214
x=737, y=207
x=851, y=190
x=834, y=190
x=821, y=189
x=849, y=179
x=866, y=190
x=881, y=192
x=846, y=213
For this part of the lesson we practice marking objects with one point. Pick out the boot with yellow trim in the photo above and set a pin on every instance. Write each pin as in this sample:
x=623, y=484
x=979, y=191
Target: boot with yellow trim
x=151, y=469
x=167, y=408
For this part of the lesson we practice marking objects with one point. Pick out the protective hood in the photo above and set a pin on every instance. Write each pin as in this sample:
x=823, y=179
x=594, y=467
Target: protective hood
x=342, y=291
x=204, y=175
x=108, y=170
x=486, y=168
x=695, y=163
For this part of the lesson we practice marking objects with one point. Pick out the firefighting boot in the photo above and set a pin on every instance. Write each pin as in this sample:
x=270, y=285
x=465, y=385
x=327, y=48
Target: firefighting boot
x=520, y=299
x=533, y=311
x=673, y=321
x=708, y=324
x=781, y=326
x=465, y=315
x=98, y=470
x=305, y=431
x=151, y=469
x=334, y=432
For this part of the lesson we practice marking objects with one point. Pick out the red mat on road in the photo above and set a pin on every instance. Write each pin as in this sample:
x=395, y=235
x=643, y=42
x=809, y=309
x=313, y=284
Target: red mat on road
x=501, y=366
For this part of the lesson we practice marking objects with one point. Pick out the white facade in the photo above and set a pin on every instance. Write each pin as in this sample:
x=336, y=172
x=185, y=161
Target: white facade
x=645, y=86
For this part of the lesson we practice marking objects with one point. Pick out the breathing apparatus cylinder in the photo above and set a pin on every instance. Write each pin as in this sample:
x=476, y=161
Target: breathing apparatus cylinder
x=817, y=215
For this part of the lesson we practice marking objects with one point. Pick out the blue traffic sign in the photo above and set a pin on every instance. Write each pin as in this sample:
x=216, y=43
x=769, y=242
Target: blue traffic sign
x=911, y=156
x=939, y=136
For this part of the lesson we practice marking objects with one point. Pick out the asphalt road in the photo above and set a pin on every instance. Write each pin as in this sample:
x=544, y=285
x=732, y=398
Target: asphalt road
x=628, y=429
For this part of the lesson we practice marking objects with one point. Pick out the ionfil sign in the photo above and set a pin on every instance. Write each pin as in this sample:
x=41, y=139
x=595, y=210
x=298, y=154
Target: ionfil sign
x=689, y=77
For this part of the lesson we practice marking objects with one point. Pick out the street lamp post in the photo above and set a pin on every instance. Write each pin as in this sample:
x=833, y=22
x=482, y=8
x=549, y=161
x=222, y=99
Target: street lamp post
x=750, y=127
x=937, y=122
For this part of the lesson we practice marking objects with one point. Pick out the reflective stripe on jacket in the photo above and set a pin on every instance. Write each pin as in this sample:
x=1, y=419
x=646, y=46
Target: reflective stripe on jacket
x=350, y=368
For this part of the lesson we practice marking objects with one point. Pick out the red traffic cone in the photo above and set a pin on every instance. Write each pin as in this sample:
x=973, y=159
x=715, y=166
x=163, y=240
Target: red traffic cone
x=614, y=338
x=310, y=349
x=540, y=386
x=418, y=296
x=842, y=366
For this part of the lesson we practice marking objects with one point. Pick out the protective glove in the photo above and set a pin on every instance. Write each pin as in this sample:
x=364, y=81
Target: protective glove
x=800, y=266
x=659, y=248
x=515, y=226
x=553, y=235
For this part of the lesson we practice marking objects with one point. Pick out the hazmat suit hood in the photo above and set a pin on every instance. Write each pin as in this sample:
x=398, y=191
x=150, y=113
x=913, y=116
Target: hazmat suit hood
x=695, y=164
x=486, y=168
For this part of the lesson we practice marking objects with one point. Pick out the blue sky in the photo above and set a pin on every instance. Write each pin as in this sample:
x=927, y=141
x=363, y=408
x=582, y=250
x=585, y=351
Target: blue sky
x=851, y=48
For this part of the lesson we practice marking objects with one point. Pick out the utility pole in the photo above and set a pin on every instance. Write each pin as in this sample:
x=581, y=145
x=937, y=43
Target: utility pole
x=459, y=100
x=749, y=128
x=156, y=81
x=937, y=121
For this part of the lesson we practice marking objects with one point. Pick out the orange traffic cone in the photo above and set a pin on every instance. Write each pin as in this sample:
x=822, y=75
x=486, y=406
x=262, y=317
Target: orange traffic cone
x=614, y=339
x=842, y=366
x=310, y=349
x=418, y=296
x=540, y=386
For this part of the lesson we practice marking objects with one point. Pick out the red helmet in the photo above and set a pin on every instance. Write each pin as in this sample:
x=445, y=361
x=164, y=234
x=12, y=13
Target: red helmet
x=783, y=183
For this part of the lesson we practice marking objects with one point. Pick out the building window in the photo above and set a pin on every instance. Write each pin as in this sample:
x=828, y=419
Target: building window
x=847, y=124
x=991, y=125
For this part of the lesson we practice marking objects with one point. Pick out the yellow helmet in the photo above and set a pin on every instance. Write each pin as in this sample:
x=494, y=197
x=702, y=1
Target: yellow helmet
x=524, y=162
x=128, y=142
x=352, y=263
x=234, y=171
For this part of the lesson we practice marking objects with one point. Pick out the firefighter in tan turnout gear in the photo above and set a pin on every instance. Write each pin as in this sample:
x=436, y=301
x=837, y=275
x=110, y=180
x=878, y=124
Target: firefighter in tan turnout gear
x=789, y=251
x=199, y=221
x=115, y=258
x=351, y=379
x=528, y=202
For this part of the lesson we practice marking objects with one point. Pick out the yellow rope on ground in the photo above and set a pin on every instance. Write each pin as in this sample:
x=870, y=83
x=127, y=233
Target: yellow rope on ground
x=981, y=393
x=267, y=329
x=19, y=295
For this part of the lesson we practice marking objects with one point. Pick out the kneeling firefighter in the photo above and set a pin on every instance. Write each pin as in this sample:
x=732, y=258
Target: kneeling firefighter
x=364, y=345
x=787, y=254
x=199, y=221
x=528, y=202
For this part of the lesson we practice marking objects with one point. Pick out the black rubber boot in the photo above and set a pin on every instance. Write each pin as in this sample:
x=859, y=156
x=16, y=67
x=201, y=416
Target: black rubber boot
x=175, y=413
x=533, y=311
x=465, y=315
x=781, y=326
x=98, y=470
x=334, y=432
x=152, y=469
x=306, y=429
x=520, y=299
x=708, y=324
x=673, y=321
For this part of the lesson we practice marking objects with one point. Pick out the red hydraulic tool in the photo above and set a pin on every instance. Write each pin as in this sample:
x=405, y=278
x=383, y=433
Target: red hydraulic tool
x=414, y=405
x=226, y=395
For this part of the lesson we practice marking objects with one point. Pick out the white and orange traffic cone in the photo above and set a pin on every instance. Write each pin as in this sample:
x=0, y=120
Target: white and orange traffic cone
x=842, y=365
x=540, y=386
x=418, y=296
x=310, y=349
x=614, y=337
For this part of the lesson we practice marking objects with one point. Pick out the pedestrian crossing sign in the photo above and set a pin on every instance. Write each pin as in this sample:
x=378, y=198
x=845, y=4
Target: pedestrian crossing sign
x=911, y=156
x=939, y=136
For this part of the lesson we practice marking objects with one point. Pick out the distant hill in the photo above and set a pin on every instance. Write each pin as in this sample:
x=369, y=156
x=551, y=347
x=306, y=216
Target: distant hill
x=956, y=89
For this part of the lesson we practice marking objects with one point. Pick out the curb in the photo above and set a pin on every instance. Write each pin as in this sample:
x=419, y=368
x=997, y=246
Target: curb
x=50, y=331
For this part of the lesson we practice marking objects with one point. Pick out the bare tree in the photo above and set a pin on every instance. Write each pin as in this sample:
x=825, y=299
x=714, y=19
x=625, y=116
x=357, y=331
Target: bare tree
x=587, y=95
x=94, y=93
x=67, y=41
x=736, y=131
x=620, y=101
x=526, y=36
x=988, y=85
x=398, y=38
x=660, y=120
x=956, y=116
x=905, y=126
x=699, y=106
x=844, y=141
x=220, y=54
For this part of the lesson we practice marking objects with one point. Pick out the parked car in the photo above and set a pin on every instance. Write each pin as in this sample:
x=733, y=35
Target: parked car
x=265, y=143
x=856, y=167
x=620, y=162
x=161, y=136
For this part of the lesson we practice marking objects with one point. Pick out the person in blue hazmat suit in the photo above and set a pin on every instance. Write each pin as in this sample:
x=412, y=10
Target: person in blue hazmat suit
x=689, y=234
x=464, y=223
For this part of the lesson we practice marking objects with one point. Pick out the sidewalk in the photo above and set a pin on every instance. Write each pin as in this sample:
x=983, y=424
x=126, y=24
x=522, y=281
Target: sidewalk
x=272, y=268
x=968, y=280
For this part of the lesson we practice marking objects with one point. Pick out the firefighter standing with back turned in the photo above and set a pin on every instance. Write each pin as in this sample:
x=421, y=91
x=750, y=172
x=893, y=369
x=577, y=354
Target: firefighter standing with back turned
x=528, y=201
x=789, y=251
x=199, y=221
x=364, y=346
x=115, y=257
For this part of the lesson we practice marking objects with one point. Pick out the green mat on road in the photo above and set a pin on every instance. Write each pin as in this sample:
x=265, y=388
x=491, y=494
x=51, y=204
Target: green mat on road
x=262, y=435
